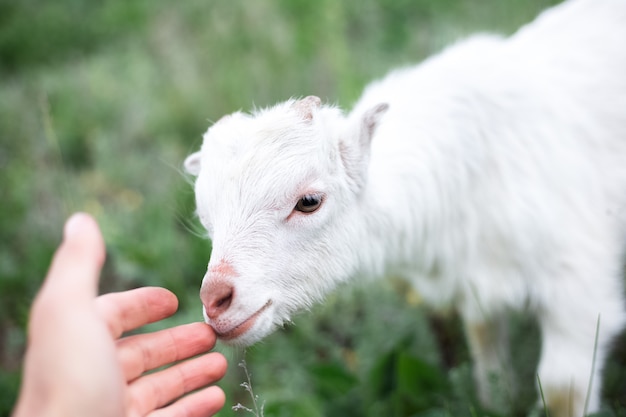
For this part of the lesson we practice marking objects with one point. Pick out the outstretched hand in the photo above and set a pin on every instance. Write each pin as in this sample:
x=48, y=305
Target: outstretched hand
x=77, y=363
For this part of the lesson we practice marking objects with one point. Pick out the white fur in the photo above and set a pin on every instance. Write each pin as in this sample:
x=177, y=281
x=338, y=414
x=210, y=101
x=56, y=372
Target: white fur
x=495, y=180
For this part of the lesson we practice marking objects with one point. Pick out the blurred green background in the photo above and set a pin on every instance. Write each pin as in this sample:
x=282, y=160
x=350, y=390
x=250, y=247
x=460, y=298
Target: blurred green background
x=100, y=101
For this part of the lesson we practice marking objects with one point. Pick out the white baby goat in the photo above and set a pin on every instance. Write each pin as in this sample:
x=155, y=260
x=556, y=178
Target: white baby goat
x=492, y=176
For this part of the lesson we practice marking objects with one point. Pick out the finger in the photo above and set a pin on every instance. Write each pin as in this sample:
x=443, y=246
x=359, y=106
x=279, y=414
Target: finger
x=206, y=402
x=158, y=389
x=144, y=352
x=128, y=310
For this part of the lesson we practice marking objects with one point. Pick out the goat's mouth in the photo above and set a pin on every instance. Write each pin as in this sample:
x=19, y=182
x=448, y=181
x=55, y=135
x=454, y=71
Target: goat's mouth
x=244, y=326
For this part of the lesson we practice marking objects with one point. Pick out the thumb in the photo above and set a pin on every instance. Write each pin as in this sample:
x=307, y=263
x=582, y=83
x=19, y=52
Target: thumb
x=75, y=269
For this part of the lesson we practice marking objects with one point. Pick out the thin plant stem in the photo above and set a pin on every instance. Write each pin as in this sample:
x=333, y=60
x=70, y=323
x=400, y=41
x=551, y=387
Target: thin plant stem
x=543, y=398
x=593, y=366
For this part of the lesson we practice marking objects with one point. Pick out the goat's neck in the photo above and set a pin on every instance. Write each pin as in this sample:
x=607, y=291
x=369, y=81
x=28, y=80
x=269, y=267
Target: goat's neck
x=388, y=230
x=406, y=224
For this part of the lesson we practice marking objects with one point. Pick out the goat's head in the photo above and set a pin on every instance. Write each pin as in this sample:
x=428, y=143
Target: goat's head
x=277, y=192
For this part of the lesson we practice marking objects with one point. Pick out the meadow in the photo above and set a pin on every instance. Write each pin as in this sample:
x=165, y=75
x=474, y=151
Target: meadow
x=100, y=102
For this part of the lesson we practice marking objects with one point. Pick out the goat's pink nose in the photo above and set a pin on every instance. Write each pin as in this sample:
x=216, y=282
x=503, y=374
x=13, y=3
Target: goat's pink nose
x=216, y=297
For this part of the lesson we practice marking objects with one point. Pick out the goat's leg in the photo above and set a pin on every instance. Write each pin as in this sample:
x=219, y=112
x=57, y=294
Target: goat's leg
x=566, y=366
x=577, y=327
x=489, y=345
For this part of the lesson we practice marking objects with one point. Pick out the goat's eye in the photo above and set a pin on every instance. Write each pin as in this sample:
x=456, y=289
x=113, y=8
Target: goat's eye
x=308, y=203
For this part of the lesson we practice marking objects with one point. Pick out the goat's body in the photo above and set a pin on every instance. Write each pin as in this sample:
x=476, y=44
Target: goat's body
x=496, y=180
x=501, y=168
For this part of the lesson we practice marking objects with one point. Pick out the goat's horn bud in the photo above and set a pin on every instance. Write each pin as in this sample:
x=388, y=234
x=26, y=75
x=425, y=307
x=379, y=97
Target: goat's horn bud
x=305, y=106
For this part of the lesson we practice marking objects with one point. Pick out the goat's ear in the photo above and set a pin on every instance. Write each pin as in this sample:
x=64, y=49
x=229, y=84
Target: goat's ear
x=192, y=164
x=370, y=121
x=355, y=149
x=304, y=107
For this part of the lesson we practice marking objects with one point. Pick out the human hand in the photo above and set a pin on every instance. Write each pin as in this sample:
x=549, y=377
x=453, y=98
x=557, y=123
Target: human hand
x=76, y=363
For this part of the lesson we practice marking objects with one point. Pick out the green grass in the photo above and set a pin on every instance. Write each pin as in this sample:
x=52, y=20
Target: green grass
x=101, y=101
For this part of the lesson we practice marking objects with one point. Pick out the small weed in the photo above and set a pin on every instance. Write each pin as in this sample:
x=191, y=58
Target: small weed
x=256, y=410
